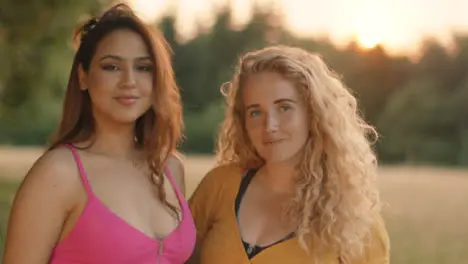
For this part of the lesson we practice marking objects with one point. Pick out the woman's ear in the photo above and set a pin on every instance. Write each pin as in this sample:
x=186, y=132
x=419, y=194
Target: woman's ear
x=82, y=76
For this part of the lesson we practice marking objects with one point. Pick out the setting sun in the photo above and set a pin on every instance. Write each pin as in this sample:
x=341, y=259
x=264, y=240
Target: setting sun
x=370, y=36
x=391, y=23
x=374, y=24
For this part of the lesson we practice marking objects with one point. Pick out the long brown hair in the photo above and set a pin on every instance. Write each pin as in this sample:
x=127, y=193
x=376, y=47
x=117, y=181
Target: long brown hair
x=159, y=130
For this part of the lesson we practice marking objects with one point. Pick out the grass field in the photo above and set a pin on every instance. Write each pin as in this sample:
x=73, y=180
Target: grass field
x=427, y=213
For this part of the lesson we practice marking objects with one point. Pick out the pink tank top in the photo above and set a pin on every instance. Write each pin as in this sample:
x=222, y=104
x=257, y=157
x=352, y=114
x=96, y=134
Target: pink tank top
x=101, y=237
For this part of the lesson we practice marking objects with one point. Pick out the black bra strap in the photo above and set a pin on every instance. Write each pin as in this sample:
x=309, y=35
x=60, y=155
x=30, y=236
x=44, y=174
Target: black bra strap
x=243, y=187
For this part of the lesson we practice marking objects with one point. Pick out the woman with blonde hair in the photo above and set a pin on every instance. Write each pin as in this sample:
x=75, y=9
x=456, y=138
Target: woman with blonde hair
x=295, y=181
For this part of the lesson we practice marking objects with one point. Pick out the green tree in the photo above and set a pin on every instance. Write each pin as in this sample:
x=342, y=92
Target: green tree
x=36, y=38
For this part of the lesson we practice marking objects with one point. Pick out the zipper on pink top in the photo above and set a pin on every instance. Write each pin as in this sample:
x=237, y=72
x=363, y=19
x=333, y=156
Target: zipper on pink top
x=160, y=250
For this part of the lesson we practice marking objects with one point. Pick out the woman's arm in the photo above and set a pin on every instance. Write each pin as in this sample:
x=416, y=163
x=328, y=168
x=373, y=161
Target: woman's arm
x=40, y=208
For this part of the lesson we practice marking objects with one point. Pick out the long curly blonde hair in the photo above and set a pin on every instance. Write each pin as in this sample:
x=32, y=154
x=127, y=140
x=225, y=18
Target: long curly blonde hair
x=336, y=198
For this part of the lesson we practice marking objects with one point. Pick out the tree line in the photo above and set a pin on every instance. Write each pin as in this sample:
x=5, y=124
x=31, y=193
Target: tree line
x=419, y=106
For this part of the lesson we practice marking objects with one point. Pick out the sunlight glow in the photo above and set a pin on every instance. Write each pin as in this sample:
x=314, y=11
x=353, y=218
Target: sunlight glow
x=374, y=23
x=395, y=24
x=149, y=10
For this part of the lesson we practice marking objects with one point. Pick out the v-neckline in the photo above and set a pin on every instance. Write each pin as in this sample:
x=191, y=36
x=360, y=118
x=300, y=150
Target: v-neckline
x=238, y=231
x=93, y=197
x=261, y=253
x=157, y=239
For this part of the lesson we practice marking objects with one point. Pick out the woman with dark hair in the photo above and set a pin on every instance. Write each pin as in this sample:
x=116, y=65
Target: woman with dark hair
x=110, y=187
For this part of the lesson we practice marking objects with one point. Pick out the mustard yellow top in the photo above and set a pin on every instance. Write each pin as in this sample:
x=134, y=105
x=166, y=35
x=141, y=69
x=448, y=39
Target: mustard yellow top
x=219, y=241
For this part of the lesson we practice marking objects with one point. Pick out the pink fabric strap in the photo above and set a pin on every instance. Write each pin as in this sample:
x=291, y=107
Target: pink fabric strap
x=83, y=176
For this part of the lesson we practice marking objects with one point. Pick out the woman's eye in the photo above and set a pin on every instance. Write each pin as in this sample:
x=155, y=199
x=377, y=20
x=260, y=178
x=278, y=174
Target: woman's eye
x=285, y=108
x=254, y=113
x=147, y=68
x=110, y=67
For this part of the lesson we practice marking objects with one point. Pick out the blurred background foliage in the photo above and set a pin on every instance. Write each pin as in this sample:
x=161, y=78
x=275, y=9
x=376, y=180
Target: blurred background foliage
x=418, y=104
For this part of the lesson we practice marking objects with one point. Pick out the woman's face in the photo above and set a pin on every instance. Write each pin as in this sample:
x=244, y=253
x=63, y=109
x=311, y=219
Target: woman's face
x=276, y=118
x=120, y=78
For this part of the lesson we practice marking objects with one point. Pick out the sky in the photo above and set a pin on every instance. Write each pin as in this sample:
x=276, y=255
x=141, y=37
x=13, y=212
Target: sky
x=398, y=25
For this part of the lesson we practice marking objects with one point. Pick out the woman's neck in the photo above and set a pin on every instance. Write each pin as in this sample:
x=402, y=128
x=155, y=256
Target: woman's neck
x=279, y=177
x=117, y=141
